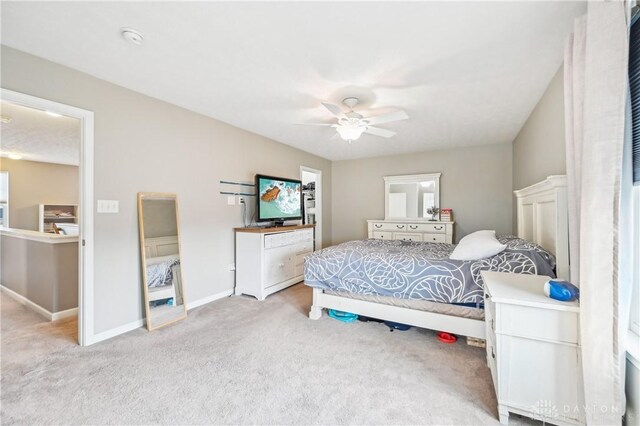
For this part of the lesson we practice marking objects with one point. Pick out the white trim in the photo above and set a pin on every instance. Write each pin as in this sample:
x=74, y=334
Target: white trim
x=319, y=200
x=50, y=316
x=209, y=299
x=85, y=252
x=41, y=237
x=108, y=334
x=633, y=348
x=388, y=180
x=73, y=312
x=458, y=325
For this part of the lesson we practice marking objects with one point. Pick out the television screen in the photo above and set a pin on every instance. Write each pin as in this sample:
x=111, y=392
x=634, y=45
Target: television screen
x=279, y=199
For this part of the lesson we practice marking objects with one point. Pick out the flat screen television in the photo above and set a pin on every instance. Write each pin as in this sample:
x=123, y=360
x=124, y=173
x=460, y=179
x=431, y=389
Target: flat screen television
x=279, y=199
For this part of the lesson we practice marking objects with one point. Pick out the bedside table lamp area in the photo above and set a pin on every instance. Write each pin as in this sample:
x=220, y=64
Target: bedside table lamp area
x=533, y=349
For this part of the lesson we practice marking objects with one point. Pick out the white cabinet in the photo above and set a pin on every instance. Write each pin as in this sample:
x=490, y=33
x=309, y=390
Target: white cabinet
x=436, y=232
x=270, y=259
x=533, y=350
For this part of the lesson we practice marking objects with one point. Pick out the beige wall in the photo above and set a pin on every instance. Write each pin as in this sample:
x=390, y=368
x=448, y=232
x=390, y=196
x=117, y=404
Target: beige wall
x=44, y=273
x=32, y=183
x=539, y=148
x=475, y=183
x=143, y=144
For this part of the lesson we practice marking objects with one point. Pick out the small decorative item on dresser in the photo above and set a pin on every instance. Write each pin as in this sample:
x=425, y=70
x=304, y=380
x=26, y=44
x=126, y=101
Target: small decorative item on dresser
x=433, y=211
x=446, y=215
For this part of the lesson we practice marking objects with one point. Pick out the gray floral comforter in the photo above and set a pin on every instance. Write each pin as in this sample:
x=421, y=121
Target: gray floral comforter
x=415, y=270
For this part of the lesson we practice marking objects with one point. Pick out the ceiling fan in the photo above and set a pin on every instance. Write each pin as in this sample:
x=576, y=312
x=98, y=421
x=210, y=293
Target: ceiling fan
x=351, y=125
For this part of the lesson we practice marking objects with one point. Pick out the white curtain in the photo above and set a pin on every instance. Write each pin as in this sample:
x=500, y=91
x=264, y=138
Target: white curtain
x=596, y=59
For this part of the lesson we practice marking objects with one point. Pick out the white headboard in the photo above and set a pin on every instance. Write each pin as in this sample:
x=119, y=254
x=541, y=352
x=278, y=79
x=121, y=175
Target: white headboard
x=161, y=246
x=542, y=218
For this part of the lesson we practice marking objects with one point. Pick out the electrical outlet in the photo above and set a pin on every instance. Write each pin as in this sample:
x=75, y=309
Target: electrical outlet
x=240, y=200
x=232, y=267
x=231, y=200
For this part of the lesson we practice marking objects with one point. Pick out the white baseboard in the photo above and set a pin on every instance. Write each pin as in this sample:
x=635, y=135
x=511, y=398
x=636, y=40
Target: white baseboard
x=108, y=334
x=209, y=299
x=50, y=316
x=113, y=332
x=73, y=312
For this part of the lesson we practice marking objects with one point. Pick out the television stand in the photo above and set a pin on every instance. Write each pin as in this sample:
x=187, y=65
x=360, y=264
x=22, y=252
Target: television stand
x=278, y=223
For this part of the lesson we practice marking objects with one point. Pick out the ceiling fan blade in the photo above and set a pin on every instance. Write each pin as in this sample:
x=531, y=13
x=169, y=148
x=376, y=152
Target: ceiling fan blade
x=334, y=109
x=386, y=118
x=377, y=131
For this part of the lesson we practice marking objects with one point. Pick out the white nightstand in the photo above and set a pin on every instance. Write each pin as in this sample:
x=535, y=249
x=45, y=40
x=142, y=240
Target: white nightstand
x=533, y=349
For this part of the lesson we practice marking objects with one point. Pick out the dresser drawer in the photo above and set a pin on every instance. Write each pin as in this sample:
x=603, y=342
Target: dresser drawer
x=405, y=236
x=386, y=226
x=383, y=235
x=538, y=323
x=305, y=235
x=279, y=240
x=279, y=265
x=432, y=228
x=434, y=238
x=304, y=247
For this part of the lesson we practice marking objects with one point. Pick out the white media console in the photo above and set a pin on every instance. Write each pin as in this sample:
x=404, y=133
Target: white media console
x=270, y=259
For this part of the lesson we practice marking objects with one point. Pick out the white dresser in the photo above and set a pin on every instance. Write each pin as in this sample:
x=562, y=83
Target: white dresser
x=533, y=349
x=438, y=232
x=270, y=259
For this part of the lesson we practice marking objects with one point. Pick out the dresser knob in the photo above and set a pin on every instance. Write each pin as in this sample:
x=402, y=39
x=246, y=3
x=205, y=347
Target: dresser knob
x=377, y=226
x=413, y=226
x=400, y=226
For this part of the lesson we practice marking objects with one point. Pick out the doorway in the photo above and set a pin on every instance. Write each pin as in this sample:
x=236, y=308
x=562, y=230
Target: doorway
x=75, y=216
x=312, y=201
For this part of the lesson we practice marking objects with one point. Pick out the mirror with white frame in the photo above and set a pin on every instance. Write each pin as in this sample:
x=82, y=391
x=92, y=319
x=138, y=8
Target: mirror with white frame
x=160, y=252
x=409, y=197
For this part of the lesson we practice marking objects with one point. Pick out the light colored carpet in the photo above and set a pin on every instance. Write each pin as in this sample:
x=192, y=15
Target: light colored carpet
x=241, y=361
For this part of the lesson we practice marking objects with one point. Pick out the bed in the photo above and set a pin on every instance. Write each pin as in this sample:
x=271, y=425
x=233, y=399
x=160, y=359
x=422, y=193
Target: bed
x=163, y=268
x=416, y=283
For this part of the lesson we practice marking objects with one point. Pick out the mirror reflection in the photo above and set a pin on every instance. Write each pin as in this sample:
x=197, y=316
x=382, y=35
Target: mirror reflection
x=412, y=196
x=160, y=249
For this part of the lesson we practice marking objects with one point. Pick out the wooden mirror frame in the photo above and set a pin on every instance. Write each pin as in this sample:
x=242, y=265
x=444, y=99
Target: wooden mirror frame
x=143, y=256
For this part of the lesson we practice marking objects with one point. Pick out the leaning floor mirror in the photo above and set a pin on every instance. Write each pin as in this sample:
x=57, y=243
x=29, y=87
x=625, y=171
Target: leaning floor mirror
x=160, y=255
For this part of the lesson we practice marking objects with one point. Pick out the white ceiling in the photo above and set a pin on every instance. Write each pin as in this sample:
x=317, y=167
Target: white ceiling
x=467, y=73
x=38, y=136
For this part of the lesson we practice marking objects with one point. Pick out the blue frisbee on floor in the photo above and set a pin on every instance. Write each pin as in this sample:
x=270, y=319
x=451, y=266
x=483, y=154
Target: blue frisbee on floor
x=342, y=316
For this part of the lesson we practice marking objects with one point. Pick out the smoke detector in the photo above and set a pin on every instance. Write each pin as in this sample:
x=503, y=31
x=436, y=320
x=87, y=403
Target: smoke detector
x=132, y=36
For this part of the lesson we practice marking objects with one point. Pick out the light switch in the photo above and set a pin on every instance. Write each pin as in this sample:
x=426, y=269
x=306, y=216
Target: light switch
x=231, y=200
x=108, y=206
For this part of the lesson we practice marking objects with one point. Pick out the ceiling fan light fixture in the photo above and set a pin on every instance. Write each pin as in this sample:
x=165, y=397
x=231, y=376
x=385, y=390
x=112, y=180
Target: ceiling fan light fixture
x=350, y=132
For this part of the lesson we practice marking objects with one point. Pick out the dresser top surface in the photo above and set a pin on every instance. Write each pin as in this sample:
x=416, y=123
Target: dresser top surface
x=523, y=289
x=266, y=230
x=420, y=221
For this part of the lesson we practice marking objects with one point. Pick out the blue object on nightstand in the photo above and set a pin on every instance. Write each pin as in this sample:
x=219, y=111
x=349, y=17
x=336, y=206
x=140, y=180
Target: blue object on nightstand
x=561, y=290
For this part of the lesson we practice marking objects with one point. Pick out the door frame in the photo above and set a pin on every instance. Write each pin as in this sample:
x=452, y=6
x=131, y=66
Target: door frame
x=319, y=200
x=85, y=240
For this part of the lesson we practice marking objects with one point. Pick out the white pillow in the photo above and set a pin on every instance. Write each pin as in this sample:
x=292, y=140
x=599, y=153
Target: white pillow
x=477, y=245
